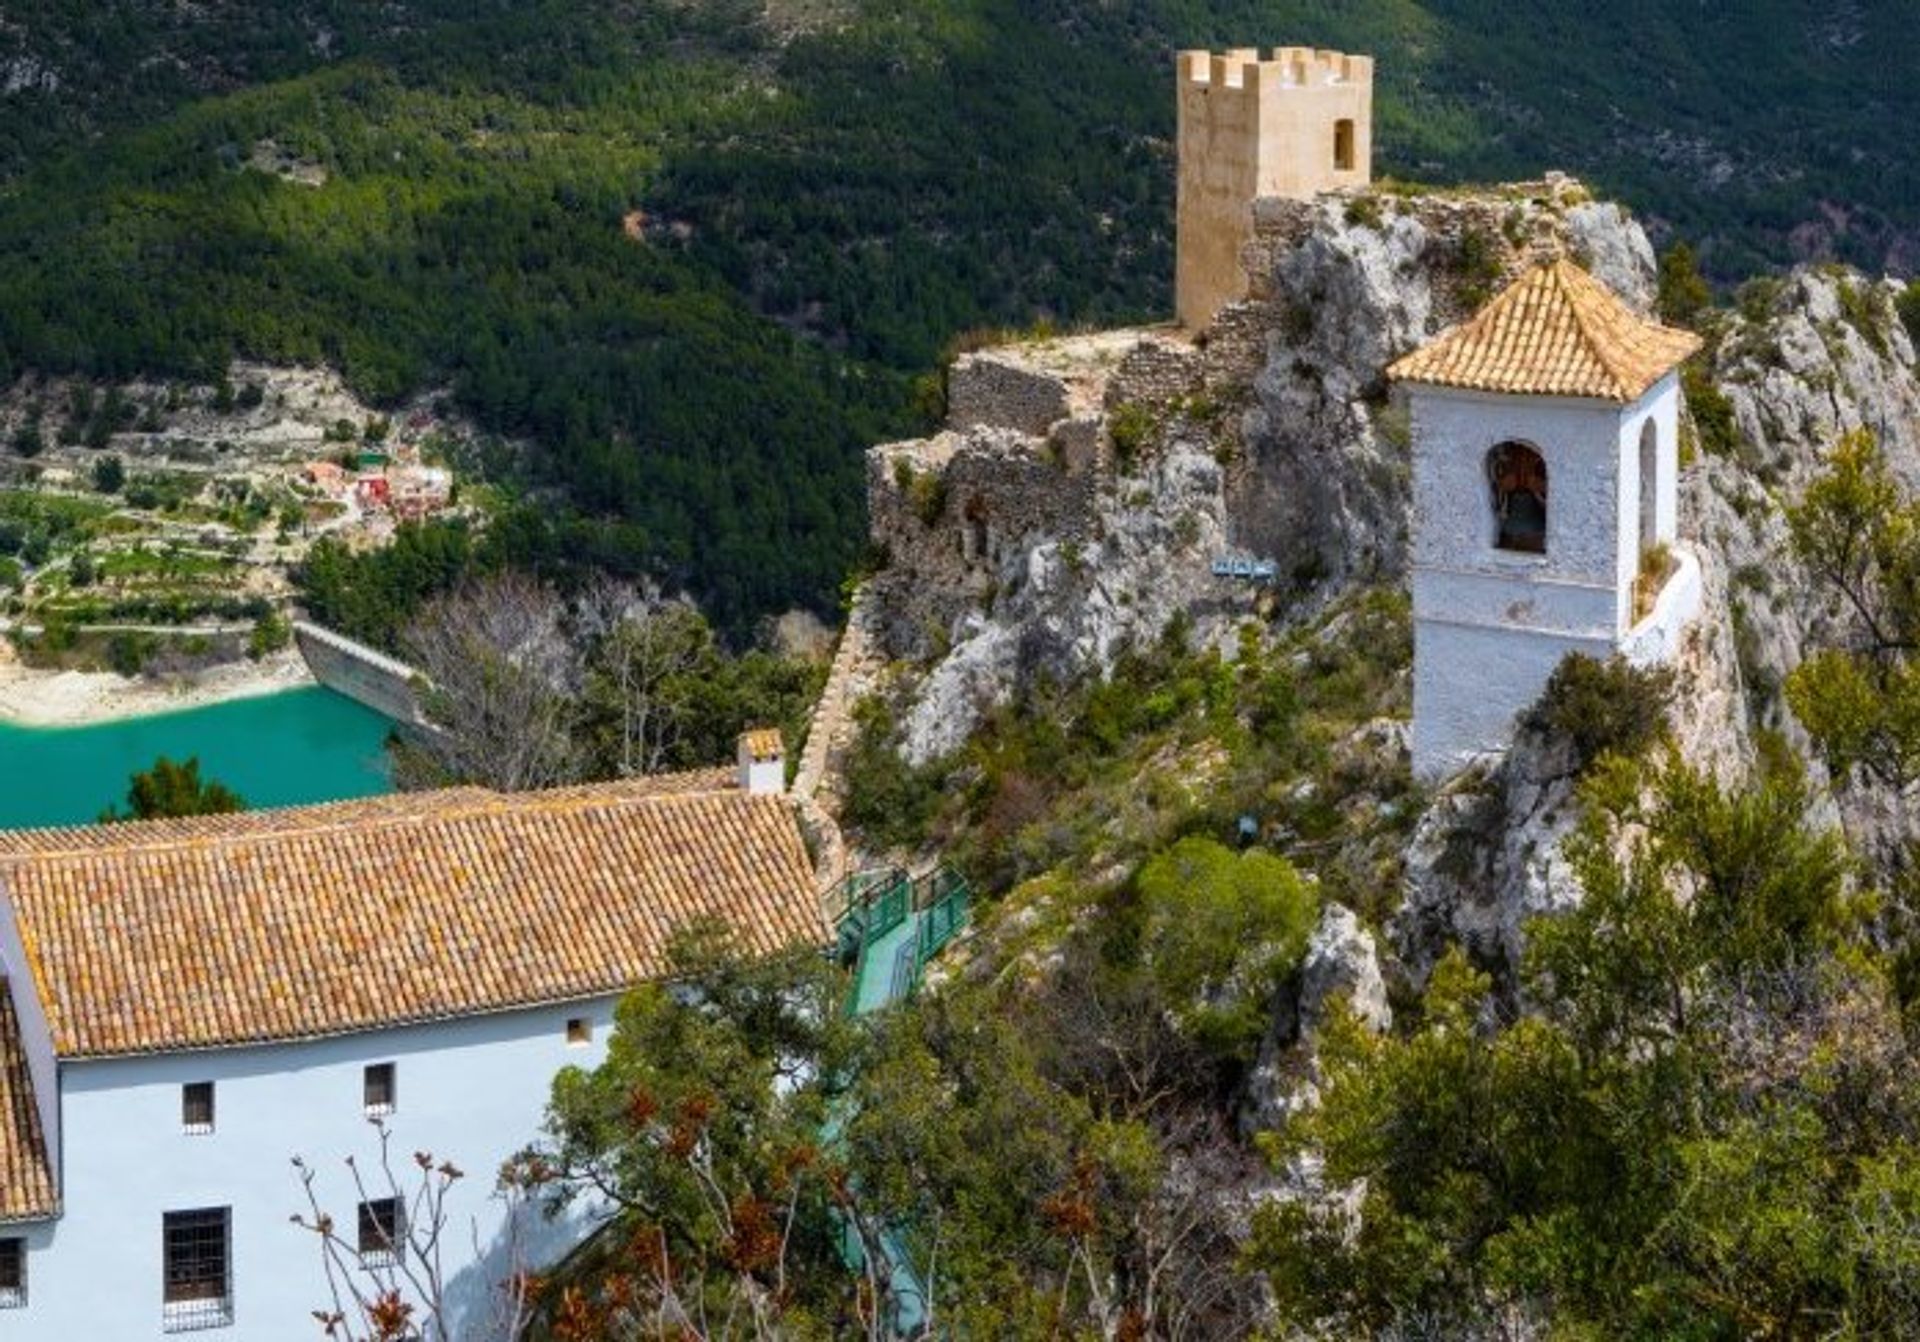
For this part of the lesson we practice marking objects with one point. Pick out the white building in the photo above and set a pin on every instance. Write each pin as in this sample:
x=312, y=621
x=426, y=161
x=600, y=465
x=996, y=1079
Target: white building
x=1545, y=467
x=188, y=1004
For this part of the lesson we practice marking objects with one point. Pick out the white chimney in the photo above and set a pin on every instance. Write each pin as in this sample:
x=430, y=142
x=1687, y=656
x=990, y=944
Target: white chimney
x=763, y=762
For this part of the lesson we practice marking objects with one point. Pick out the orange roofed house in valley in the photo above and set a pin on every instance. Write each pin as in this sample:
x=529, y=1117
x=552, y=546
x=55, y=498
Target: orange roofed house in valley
x=188, y=1003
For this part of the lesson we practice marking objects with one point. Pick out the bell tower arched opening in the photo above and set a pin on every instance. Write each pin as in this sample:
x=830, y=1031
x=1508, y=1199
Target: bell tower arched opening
x=1517, y=475
x=1649, y=485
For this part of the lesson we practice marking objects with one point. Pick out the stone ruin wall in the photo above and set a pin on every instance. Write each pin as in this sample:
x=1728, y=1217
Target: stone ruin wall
x=1024, y=457
x=950, y=511
x=988, y=392
x=1157, y=372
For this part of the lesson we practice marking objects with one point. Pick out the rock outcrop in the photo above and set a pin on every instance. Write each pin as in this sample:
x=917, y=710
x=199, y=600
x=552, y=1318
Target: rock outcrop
x=1341, y=966
x=1085, y=486
x=1802, y=361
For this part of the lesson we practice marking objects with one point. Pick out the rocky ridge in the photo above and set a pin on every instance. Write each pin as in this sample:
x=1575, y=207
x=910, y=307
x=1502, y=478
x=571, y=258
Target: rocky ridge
x=1083, y=488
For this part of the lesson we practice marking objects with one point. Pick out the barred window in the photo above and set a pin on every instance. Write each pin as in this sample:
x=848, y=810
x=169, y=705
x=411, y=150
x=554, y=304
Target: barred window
x=197, y=1280
x=13, y=1273
x=196, y=1107
x=378, y=1089
x=382, y=1231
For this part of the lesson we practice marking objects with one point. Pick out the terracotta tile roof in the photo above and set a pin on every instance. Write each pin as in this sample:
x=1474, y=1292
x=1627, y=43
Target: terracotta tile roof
x=1555, y=331
x=394, y=805
x=763, y=743
x=26, y=1178
x=159, y=936
x=678, y=784
x=67, y=838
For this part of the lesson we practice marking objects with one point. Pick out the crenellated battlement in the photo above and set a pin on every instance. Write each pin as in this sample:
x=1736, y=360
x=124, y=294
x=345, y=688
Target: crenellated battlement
x=1291, y=125
x=1288, y=67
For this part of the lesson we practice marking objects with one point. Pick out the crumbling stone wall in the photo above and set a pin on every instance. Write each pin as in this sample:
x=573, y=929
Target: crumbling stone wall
x=1157, y=372
x=951, y=510
x=984, y=391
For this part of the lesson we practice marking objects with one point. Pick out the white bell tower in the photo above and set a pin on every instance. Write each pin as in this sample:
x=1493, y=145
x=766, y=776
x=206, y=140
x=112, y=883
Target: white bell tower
x=1545, y=477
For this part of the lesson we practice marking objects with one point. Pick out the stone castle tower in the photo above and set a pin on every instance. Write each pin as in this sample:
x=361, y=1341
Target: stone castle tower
x=1293, y=126
x=1545, y=488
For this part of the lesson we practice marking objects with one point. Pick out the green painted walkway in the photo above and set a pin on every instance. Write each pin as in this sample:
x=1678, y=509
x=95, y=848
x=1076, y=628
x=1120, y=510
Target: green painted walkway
x=919, y=918
x=877, y=980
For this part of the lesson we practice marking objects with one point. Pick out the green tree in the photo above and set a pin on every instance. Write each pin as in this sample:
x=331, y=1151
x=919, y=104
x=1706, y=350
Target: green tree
x=1655, y=1150
x=1859, y=534
x=174, y=788
x=109, y=474
x=271, y=632
x=1603, y=707
x=1682, y=294
x=704, y=1126
x=1220, y=932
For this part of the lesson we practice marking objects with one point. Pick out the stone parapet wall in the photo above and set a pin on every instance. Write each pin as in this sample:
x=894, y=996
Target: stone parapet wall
x=1657, y=639
x=997, y=392
x=1155, y=372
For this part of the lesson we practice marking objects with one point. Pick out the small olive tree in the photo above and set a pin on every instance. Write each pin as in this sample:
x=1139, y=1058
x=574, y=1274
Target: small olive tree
x=385, y=1270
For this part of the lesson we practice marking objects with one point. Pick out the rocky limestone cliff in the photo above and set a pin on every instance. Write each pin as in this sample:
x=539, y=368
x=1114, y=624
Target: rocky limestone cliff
x=1800, y=362
x=1084, y=487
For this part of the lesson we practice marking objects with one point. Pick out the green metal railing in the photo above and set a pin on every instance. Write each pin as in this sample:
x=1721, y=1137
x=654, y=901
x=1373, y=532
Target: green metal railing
x=943, y=914
x=867, y=907
x=870, y=905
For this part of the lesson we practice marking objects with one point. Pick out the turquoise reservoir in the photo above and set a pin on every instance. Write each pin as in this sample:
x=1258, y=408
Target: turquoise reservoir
x=300, y=745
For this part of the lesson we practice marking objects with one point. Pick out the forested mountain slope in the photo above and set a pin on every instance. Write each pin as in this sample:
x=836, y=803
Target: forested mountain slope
x=696, y=253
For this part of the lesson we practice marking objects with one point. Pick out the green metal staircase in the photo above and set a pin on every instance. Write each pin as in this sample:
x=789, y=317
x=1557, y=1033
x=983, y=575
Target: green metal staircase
x=890, y=924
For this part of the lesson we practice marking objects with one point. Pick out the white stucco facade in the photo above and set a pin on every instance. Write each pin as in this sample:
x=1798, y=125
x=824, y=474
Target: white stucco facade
x=192, y=1003
x=1491, y=624
x=471, y=1090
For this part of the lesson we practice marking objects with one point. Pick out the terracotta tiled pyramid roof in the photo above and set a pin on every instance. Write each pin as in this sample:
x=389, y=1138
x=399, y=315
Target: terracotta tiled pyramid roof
x=26, y=1179
x=324, y=920
x=1555, y=331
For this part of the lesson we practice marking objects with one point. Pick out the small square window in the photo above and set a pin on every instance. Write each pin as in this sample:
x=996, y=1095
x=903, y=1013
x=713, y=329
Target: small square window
x=13, y=1273
x=197, y=1277
x=579, y=1031
x=378, y=1093
x=196, y=1107
x=383, y=1231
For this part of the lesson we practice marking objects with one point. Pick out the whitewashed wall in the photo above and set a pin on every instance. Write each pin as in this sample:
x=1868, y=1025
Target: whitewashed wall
x=1661, y=407
x=472, y=1091
x=1489, y=624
